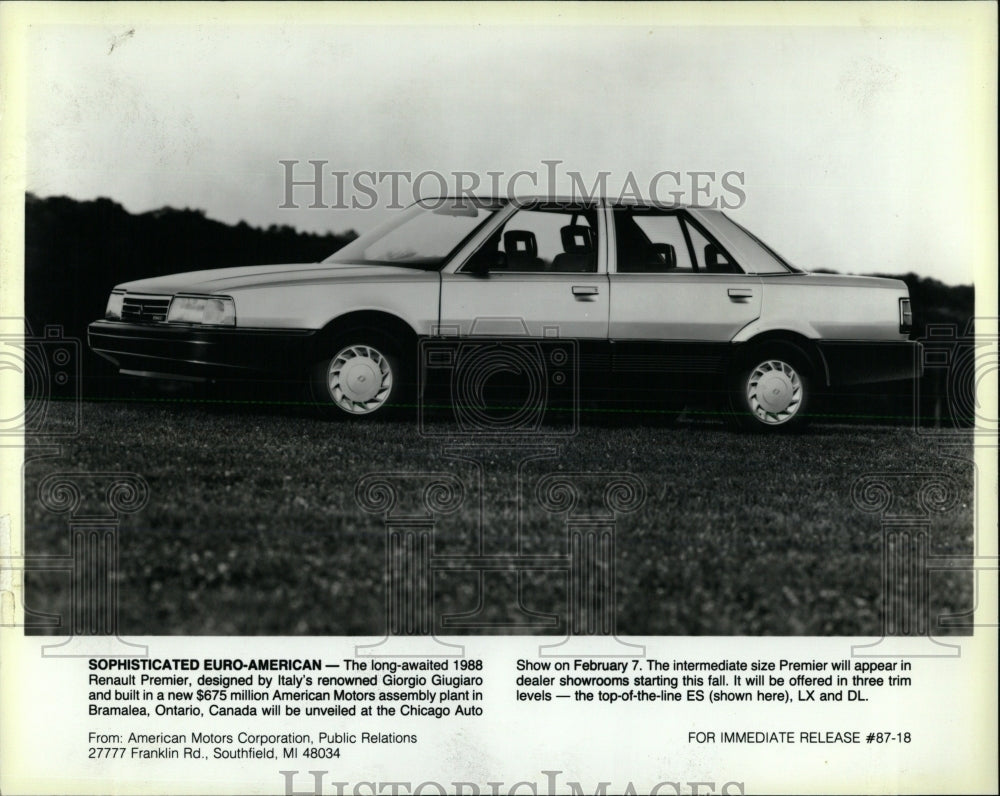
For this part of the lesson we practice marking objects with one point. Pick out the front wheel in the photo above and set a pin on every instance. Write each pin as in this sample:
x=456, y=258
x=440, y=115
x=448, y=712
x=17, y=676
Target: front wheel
x=363, y=378
x=771, y=389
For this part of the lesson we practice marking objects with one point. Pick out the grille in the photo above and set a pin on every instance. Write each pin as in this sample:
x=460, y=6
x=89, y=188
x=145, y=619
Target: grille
x=148, y=309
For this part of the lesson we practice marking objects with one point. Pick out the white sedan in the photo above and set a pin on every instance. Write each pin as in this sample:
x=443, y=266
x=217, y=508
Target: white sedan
x=666, y=298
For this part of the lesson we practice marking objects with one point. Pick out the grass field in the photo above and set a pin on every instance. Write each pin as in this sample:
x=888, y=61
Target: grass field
x=252, y=525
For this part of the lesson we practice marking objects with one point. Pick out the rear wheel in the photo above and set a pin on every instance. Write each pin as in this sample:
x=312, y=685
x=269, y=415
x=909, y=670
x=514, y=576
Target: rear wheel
x=363, y=378
x=771, y=388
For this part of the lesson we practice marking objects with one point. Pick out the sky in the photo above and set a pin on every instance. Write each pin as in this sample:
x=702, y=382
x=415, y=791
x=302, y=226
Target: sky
x=858, y=146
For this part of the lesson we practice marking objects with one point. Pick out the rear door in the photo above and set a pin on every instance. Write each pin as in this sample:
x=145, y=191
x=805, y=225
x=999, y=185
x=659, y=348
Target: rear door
x=677, y=297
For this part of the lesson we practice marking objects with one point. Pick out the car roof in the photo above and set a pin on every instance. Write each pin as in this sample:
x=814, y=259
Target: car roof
x=613, y=201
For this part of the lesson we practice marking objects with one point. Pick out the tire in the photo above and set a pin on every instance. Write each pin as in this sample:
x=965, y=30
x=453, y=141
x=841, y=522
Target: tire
x=363, y=379
x=771, y=388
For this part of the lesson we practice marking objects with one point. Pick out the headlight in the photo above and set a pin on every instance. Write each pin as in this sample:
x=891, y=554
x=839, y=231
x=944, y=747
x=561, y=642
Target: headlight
x=208, y=310
x=905, y=315
x=113, y=312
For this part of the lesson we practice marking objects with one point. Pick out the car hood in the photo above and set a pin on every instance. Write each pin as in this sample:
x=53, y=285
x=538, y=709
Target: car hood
x=223, y=280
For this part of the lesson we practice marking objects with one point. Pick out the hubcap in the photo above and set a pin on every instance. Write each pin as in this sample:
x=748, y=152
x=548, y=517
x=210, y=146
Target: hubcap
x=774, y=392
x=359, y=379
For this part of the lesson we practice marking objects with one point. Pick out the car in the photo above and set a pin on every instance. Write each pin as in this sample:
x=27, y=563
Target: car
x=658, y=301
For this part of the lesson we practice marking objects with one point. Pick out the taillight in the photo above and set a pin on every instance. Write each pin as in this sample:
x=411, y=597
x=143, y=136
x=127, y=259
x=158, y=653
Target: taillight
x=905, y=316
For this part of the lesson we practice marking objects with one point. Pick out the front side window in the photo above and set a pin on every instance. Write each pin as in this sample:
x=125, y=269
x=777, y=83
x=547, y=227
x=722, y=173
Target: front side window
x=542, y=239
x=655, y=242
x=425, y=235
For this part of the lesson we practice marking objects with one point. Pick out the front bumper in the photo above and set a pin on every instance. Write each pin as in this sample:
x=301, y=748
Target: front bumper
x=865, y=362
x=201, y=353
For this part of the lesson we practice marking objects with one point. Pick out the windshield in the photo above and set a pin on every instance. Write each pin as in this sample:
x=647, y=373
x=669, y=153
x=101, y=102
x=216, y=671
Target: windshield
x=424, y=235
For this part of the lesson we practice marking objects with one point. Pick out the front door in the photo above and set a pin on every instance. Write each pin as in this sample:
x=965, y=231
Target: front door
x=541, y=274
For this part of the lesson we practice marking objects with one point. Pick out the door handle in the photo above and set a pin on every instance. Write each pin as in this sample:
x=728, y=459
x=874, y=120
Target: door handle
x=584, y=290
x=737, y=293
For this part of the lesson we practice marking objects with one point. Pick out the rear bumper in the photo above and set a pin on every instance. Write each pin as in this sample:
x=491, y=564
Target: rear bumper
x=201, y=353
x=862, y=362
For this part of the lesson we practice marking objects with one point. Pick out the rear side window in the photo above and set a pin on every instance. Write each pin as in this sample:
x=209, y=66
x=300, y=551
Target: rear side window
x=709, y=256
x=654, y=242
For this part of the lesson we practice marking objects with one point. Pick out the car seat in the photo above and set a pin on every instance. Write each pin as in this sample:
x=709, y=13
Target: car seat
x=579, y=255
x=521, y=248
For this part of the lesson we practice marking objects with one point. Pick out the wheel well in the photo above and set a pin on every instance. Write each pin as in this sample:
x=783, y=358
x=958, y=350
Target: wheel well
x=385, y=323
x=808, y=348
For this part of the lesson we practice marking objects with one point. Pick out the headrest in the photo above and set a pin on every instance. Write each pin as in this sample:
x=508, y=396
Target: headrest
x=661, y=257
x=519, y=243
x=577, y=239
x=715, y=261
